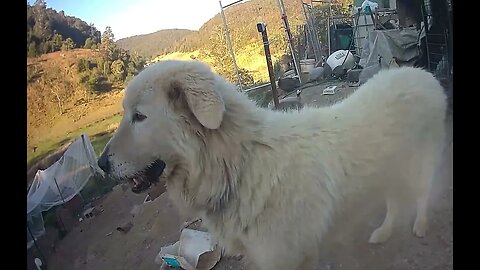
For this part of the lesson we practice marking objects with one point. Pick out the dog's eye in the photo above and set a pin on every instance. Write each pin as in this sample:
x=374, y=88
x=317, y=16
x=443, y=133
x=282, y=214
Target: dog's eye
x=138, y=117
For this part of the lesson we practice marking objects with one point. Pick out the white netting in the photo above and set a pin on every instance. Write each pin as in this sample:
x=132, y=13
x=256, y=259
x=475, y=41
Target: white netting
x=69, y=175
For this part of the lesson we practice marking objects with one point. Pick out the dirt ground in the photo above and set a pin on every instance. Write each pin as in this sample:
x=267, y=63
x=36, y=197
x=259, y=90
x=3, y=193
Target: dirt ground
x=96, y=244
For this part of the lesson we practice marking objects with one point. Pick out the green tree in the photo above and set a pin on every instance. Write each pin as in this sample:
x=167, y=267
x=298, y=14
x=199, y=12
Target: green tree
x=131, y=69
x=321, y=13
x=107, y=68
x=44, y=47
x=218, y=52
x=68, y=45
x=118, y=70
x=40, y=3
x=246, y=79
x=57, y=42
x=82, y=65
x=93, y=82
x=222, y=60
x=137, y=63
x=107, y=45
x=100, y=62
x=32, y=50
x=89, y=42
x=128, y=78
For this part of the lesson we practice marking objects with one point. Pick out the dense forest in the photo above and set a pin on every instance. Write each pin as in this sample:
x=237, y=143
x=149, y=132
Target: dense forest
x=153, y=44
x=51, y=31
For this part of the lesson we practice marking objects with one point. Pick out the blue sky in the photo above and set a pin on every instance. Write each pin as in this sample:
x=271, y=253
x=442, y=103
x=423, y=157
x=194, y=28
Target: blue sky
x=136, y=17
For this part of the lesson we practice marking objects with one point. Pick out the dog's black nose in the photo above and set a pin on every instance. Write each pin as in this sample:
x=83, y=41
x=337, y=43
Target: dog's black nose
x=104, y=163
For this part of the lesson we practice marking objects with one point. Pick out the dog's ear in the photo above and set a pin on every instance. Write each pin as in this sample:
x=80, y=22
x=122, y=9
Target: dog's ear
x=197, y=86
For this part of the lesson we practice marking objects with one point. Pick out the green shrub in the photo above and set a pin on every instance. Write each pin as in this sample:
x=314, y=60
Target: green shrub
x=82, y=65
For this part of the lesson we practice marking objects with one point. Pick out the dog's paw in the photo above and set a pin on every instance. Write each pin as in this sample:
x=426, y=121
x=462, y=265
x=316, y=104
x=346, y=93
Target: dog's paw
x=380, y=235
x=420, y=227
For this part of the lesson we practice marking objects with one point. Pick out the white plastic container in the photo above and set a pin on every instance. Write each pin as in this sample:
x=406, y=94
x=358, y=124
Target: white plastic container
x=195, y=250
x=337, y=61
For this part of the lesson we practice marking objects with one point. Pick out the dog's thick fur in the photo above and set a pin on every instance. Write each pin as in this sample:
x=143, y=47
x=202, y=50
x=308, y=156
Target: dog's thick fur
x=266, y=183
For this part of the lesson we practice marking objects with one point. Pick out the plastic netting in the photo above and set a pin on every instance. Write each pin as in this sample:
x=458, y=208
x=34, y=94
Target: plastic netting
x=59, y=183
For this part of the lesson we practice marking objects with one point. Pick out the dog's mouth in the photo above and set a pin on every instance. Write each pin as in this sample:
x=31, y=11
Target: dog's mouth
x=145, y=178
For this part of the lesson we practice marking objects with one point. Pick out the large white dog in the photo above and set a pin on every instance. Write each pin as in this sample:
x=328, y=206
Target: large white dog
x=267, y=183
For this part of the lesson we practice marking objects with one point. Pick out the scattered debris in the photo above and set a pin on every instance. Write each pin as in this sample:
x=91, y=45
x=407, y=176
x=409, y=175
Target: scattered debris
x=289, y=73
x=316, y=74
x=329, y=90
x=288, y=84
x=124, y=187
x=89, y=212
x=353, y=84
x=38, y=263
x=135, y=210
x=187, y=224
x=372, y=6
x=124, y=228
x=195, y=250
x=353, y=75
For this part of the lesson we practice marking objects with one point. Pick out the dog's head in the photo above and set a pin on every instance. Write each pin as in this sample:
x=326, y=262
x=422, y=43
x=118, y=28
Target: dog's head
x=165, y=105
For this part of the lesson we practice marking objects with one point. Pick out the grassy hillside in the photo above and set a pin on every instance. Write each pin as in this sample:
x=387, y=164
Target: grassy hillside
x=208, y=43
x=155, y=43
x=242, y=19
x=59, y=107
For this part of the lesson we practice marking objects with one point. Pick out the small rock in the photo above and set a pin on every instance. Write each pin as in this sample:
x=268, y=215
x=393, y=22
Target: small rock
x=124, y=228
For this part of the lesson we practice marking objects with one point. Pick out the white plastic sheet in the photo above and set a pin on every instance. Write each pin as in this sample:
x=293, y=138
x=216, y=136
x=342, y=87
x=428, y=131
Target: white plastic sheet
x=68, y=175
x=401, y=44
x=373, y=6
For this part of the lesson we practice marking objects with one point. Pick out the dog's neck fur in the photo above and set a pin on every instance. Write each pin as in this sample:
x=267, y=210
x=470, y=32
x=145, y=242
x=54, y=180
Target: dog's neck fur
x=228, y=152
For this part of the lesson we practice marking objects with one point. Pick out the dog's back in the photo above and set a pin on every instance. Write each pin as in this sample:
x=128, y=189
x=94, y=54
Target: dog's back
x=390, y=132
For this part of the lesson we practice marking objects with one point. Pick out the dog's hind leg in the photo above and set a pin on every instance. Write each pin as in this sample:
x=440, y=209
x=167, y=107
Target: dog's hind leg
x=310, y=262
x=426, y=177
x=421, y=221
x=383, y=233
x=431, y=156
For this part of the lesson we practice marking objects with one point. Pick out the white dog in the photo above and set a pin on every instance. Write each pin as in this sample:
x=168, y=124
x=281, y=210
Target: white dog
x=267, y=183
